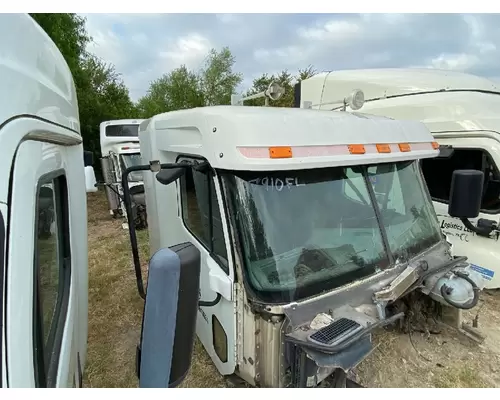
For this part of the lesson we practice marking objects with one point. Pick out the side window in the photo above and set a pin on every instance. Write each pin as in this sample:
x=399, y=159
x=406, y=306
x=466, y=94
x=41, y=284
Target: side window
x=438, y=172
x=204, y=222
x=52, y=277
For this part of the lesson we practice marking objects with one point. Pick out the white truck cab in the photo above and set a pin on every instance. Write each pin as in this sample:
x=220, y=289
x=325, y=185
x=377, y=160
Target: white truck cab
x=44, y=177
x=311, y=227
x=43, y=263
x=119, y=141
x=461, y=111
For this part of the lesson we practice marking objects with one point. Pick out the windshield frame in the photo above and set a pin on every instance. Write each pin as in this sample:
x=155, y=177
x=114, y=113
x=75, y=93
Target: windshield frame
x=315, y=289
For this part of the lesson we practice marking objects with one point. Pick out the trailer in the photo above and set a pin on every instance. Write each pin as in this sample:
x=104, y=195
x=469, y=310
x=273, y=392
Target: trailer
x=460, y=110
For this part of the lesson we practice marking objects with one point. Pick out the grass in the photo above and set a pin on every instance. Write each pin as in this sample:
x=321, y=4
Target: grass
x=115, y=307
x=460, y=377
x=115, y=311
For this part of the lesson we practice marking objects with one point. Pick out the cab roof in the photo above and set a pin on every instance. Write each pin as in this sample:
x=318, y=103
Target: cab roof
x=388, y=82
x=34, y=77
x=446, y=101
x=240, y=137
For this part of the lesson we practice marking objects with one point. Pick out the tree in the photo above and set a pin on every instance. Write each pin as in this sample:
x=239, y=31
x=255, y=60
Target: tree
x=218, y=81
x=181, y=88
x=177, y=90
x=285, y=79
x=102, y=96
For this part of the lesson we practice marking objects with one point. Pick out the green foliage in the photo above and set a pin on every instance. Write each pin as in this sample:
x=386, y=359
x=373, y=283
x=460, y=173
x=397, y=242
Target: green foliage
x=102, y=96
x=218, y=81
x=285, y=79
x=177, y=90
x=181, y=88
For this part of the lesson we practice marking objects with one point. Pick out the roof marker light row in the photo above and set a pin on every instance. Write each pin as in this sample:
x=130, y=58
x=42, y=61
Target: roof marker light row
x=334, y=150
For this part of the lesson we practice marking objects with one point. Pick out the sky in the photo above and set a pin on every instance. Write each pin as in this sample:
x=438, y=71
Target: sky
x=145, y=46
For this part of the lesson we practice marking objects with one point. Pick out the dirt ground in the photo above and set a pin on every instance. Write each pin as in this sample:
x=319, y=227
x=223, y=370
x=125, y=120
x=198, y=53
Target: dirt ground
x=442, y=360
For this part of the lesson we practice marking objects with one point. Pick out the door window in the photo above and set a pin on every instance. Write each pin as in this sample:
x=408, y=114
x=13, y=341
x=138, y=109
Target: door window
x=52, y=268
x=438, y=173
x=201, y=213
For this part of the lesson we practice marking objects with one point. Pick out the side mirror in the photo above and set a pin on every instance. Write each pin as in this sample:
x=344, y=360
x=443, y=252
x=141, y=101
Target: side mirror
x=90, y=181
x=445, y=151
x=169, y=320
x=466, y=193
x=167, y=176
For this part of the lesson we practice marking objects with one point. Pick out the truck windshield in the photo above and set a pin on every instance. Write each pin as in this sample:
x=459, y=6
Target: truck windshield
x=309, y=231
x=129, y=160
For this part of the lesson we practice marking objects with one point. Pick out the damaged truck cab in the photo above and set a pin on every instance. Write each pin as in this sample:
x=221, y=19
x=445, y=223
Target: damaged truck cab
x=311, y=227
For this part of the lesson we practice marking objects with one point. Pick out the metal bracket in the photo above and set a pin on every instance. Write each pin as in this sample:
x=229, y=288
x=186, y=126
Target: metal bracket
x=155, y=166
x=453, y=318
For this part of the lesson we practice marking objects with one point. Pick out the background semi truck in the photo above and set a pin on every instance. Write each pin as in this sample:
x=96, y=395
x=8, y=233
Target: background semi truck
x=461, y=111
x=119, y=150
x=45, y=176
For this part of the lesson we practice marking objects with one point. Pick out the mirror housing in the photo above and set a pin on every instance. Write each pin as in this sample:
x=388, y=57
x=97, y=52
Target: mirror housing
x=90, y=181
x=466, y=193
x=167, y=176
x=169, y=320
x=445, y=151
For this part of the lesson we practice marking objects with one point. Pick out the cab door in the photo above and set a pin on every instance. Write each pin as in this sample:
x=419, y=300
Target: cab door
x=41, y=307
x=205, y=226
x=470, y=153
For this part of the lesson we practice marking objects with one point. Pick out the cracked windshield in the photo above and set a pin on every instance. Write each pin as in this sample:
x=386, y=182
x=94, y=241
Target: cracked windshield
x=313, y=230
x=300, y=233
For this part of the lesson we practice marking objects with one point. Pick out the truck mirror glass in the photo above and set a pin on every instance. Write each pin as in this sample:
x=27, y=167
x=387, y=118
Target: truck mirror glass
x=88, y=158
x=167, y=176
x=169, y=320
x=466, y=193
x=90, y=181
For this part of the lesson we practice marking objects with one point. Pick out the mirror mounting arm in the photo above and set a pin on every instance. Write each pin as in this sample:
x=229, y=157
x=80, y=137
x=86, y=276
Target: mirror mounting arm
x=153, y=166
x=483, y=228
